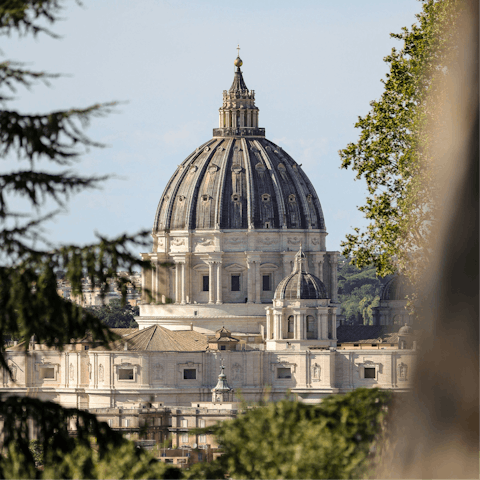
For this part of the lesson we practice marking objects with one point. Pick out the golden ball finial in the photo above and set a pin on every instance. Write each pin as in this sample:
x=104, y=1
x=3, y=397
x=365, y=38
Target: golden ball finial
x=238, y=62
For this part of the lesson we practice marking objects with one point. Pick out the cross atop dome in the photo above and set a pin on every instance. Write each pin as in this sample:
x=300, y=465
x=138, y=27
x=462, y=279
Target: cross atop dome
x=238, y=61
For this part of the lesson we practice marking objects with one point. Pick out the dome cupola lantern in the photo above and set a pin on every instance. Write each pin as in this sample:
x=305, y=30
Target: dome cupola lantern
x=238, y=115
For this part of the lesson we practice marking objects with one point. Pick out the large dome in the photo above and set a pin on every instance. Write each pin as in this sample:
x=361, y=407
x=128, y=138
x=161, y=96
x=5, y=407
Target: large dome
x=239, y=179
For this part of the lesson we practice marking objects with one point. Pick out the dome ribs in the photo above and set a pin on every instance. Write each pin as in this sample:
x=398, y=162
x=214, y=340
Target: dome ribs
x=183, y=196
x=194, y=199
x=181, y=172
x=278, y=199
x=294, y=215
x=239, y=183
x=267, y=184
x=164, y=203
x=250, y=184
x=207, y=191
x=300, y=196
x=234, y=196
x=310, y=190
x=219, y=204
x=316, y=201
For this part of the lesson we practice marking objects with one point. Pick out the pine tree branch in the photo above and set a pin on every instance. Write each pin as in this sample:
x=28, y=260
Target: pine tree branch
x=21, y=16
x=11, y=75
x=41, y=186
x=55, y=136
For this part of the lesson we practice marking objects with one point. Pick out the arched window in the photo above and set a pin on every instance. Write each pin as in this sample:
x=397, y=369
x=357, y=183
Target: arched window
x=290, y=327
x=311, y=327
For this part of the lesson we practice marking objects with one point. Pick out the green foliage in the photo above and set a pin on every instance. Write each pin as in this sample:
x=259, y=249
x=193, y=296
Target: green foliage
x=40, y=151
x=36, y=449
x=64, y=456
x=114, y=315
x=287, y=439
x=390, y=154
x=359, y=291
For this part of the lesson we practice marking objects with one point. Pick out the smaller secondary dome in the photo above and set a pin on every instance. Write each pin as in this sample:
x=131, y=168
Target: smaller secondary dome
x=238, y=62
x=397, y=288
x=300, y=285
x=405, y=330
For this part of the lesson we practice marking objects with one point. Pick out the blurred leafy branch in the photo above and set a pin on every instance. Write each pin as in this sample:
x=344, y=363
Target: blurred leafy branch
x=40, y=152
x=391, y=152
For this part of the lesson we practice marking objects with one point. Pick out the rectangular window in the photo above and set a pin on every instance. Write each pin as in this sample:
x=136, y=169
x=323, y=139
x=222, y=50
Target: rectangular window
x=202, y=438
x=201, y=424
x=190, y=374
x=127, y=422
x=200, y=457
x=223, y=347
x=184, y=423
x=206, y=283
x=125, y=374
x=284, y=373
x=369, y=372
x=235, y=283
x=47, y=373
x=184, y=438
x=267, y=283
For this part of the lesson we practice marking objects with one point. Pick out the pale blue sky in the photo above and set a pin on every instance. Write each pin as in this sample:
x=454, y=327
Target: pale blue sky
x=314, y=65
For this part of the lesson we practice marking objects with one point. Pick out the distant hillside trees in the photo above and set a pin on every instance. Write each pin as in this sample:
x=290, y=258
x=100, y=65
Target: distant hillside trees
x=359, y=292
x=113, y=315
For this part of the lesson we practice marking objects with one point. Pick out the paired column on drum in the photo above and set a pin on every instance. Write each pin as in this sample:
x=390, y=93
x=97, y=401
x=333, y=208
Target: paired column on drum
x=254, y=284
x=211, y=288
x=218, y=265
x=215, y=281
x=333, y=277
x=180, y=292
x=332, y=322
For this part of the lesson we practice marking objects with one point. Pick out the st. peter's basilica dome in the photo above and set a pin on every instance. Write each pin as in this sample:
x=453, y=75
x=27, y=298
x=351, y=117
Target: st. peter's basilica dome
x=239, y=179
x=227, y=228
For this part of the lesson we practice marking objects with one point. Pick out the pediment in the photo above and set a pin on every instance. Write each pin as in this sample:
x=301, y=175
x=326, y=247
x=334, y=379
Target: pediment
x=201, y=267
x=268, y=266
x=235, y=267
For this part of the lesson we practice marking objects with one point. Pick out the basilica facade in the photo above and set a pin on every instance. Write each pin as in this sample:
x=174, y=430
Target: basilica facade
x=242, y=279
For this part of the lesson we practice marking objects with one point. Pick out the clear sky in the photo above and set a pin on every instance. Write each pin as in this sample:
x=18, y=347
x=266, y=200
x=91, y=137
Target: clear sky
x=314, y=65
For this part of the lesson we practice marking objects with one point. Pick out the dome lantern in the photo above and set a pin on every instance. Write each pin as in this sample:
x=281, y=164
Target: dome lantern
x=238, y=115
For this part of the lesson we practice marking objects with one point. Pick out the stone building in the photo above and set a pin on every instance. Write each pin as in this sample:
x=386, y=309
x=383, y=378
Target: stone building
x=242, y=279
